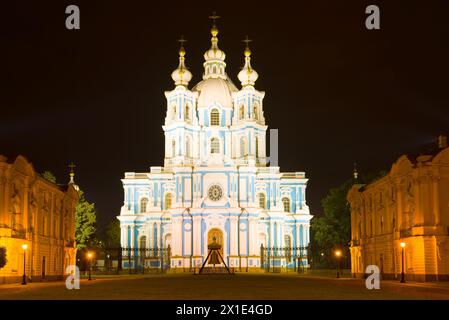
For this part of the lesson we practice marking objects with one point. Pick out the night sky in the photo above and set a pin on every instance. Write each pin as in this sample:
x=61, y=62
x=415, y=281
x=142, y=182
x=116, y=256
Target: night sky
x=337, y=92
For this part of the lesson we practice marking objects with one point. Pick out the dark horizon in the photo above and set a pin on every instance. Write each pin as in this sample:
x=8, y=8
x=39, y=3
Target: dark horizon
x=339, y=92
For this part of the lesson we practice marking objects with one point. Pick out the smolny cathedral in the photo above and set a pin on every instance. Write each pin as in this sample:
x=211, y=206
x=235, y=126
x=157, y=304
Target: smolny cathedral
x=216, y=184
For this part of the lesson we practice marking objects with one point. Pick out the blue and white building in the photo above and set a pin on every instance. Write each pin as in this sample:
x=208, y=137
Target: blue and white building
x=216, y=182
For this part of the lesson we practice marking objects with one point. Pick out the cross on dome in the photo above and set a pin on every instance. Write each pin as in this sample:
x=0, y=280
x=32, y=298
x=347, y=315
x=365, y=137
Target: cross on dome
x=181, y=75
x=247, y=75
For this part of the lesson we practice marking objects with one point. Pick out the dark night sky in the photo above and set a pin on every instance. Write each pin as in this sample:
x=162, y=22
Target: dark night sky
x=337, y=92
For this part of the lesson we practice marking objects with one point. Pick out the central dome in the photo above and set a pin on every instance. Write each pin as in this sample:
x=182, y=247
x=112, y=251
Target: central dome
x=215, y=91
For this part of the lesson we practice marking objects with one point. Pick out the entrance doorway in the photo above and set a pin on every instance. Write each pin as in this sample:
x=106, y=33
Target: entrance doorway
x=216, y=235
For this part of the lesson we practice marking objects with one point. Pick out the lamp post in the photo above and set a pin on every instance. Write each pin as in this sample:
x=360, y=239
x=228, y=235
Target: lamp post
x=89, y=256
x=338, y=255
x=403, y=272
x=24, y=277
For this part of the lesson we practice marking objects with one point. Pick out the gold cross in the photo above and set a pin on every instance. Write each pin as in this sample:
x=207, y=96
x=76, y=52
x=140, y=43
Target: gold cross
x=214, y=17
x=72, y=166
x=182, y=40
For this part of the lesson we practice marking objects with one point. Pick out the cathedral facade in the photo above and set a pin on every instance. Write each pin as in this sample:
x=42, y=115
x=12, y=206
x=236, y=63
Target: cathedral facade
x=37, y=223
x=216, y=183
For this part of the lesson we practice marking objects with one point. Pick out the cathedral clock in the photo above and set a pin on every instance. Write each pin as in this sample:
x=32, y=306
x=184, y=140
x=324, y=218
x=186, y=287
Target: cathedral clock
x=215, y=192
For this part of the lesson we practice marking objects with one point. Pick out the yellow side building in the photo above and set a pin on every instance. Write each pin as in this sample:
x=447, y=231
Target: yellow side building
x=410, y=205
x=37, y=223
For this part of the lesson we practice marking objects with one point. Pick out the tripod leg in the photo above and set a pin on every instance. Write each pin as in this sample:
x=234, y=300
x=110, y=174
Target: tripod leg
x=205, y=261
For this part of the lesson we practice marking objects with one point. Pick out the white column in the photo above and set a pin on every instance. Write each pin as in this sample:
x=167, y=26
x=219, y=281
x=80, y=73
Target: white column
x=123, y=235
x=233, y=236
x=197, y=236
x=298, y=241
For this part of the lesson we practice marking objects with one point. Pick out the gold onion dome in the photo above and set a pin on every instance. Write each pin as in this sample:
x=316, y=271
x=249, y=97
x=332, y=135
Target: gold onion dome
x=181, y=75
x=214, y=53
x=247, y=75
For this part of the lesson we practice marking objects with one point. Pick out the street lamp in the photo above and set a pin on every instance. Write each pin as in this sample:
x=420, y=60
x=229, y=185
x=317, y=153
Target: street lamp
x=338, y=255
x=89, y=256
x=403, y=272
x=24, y=277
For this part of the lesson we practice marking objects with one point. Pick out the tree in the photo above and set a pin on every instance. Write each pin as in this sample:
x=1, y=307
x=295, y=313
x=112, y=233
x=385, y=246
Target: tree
x=85, y=222
x=113, y=234
x=333, y=230
x=3, y=259
x=49, y=176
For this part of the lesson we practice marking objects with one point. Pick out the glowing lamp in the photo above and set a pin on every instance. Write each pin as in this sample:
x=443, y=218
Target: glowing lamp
x=24, y=246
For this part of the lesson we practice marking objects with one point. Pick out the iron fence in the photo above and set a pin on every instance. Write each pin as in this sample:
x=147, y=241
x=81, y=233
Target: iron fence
x=274, y=259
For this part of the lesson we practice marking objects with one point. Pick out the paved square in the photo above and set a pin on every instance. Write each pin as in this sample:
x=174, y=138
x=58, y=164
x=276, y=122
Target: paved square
x=226, y=287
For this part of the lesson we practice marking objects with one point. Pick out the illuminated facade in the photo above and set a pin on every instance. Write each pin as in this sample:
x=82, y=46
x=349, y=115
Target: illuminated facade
x=216, y=181
x=39, y=214
x=409, y=205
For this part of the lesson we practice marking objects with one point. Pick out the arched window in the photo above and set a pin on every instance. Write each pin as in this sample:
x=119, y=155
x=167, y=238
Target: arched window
x=187, y=111
x=173, y=112
x=243, y=151
x=188, y=146
x=214, y=117
x=241, y=112
x=142, y=242
x=256, y=115
x=173, y=148
x=214, y=145
x=168, y=201
x=286, y=203
x=143, y=205
x=262, y=202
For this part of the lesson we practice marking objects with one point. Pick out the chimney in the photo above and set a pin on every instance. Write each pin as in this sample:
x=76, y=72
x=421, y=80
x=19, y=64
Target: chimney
x=442, y=142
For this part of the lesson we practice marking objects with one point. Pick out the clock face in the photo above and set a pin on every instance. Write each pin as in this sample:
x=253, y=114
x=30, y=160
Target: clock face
x=215, y=192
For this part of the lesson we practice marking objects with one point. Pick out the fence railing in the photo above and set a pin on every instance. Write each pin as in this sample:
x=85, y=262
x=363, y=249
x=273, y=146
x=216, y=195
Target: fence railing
x=273, y=259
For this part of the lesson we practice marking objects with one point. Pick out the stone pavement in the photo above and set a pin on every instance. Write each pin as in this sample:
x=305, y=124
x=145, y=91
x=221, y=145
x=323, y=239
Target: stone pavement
x=225, y=287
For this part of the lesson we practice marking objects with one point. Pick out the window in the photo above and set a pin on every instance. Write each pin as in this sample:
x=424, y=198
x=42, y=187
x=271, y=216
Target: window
x=243, y=152
x=168, y=201
x=214, y=145
x=188, y=153
x=262, y=203
x=241, y=112
x=143, y=205
x=255, y=112
x=257, y=146
x=286, y=203
x=214, y=117
x=173, y=112
x=187, y=115
x=173, y=148
x=142, y=242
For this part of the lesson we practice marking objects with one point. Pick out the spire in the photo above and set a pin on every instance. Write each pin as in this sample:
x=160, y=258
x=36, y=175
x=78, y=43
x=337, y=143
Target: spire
x=247, y=75
x=214, y=65
x=72, y=175
x=181, y=75
x=214, y=31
